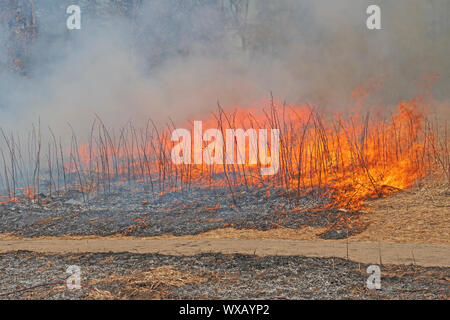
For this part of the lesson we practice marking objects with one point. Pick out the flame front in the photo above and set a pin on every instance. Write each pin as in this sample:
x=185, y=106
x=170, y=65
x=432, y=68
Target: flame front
x=349, y=158
x=346, y=159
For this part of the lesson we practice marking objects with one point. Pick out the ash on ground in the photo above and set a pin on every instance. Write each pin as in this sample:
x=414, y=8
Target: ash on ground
x=28, y=275
x=132, y=210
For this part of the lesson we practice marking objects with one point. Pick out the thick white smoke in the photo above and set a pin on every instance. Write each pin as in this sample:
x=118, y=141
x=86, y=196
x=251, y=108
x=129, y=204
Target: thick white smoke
x=175, y=59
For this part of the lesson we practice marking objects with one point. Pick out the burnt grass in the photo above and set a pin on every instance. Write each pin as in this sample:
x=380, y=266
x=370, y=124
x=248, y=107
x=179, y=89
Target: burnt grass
x=133, y=210
x=28, y=275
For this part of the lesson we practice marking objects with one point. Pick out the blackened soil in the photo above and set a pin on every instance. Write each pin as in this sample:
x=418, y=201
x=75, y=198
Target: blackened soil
x=134, y=211
x=27, y=275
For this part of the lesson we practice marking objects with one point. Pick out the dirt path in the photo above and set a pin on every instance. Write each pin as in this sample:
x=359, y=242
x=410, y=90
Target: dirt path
x=365, y=252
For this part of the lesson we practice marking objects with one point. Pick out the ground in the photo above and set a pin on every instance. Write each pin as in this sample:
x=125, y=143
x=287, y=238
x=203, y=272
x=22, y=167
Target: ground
x=212, y=276
x=288, y=257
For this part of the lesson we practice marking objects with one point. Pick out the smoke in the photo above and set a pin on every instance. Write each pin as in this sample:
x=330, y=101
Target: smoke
x=177, y=58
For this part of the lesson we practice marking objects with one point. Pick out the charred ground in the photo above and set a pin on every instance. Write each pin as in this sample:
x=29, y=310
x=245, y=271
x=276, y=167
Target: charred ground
x=133, y=212
x=211, y=276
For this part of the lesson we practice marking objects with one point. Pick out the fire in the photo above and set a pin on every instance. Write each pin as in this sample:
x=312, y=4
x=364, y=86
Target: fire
x=345, y=158
x=351, y=158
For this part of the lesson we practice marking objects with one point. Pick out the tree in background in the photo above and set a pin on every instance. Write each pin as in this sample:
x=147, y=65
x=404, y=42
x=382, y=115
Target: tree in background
x=20, y=19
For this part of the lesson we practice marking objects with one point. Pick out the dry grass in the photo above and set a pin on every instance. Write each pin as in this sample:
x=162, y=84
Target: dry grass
x=418, y=215
x=153, y=284
x=47, y=220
